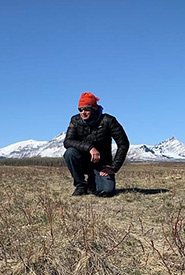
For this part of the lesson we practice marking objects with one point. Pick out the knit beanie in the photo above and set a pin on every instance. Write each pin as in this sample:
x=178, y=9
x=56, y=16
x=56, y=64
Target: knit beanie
x=88, y=99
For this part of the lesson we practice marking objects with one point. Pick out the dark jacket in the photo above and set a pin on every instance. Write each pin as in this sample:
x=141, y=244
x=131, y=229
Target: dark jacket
x=83, y=137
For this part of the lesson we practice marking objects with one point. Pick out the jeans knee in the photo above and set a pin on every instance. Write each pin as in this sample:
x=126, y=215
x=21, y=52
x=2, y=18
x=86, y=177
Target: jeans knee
x=109, y=188
x=70, y=153
x=106, y=191
x=105, y=184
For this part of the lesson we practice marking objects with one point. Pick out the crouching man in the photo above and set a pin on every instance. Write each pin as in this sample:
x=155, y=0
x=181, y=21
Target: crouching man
x=88, y=142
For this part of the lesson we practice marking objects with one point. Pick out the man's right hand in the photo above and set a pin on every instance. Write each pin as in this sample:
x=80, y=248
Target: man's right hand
x=95, y=155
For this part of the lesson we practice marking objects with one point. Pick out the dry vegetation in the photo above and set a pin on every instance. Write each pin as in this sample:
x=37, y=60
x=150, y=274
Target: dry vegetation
x=141, y=230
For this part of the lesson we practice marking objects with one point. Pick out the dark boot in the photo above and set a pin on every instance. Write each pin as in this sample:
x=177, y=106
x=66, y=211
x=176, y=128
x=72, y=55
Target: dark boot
x=79, y=191
x=91, y=191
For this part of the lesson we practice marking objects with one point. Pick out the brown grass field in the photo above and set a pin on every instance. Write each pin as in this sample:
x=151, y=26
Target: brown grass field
x=141, y=230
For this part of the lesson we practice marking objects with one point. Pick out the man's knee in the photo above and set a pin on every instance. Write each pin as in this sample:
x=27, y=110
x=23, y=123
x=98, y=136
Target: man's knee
x=71, y=153
x=109, y=188
x=106, y=191
x=106, y=184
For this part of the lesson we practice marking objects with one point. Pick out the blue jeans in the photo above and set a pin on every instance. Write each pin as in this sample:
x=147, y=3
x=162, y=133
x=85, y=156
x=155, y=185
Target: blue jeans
x=79, y=164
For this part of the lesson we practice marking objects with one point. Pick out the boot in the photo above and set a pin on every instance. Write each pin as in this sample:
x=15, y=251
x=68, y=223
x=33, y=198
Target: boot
x=79, y=191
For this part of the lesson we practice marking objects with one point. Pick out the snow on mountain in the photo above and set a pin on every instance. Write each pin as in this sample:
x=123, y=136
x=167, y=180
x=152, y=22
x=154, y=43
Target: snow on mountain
x=53, y=147
x=168, y=150
x=142, y=153
x=22, y=149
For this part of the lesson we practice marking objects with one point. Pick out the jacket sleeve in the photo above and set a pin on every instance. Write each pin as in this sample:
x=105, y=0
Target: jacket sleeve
x=121, y=139
x=71, y=138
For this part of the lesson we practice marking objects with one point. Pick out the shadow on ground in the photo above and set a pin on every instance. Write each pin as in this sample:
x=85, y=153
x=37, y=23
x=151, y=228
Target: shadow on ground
x=142, y=191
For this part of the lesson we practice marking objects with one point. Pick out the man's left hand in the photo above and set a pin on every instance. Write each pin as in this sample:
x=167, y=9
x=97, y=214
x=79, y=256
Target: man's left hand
x=106, y=171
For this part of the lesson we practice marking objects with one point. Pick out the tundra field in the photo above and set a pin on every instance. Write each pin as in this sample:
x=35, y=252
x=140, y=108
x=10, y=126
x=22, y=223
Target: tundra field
x=141, y=230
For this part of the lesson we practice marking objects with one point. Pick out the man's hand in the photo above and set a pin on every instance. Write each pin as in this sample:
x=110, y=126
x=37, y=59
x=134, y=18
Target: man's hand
x=106, y=171
x=95, y=155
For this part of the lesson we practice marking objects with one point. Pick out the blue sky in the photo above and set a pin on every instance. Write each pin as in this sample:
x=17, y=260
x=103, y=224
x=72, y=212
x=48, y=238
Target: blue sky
x=131, y=54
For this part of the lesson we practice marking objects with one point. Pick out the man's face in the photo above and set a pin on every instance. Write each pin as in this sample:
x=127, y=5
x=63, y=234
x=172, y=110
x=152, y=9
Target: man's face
x=85, y=112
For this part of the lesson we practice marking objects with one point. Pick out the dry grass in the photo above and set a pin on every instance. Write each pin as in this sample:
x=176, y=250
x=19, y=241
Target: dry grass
x=141, y=230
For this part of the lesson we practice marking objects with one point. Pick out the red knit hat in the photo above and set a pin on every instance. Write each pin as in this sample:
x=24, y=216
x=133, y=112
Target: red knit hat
x=88, y=99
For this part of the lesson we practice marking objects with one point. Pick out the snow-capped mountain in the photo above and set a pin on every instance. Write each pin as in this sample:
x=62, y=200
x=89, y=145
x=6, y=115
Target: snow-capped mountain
x=22, y=149
x=53, y=148
x=34, y=148
x=142, y=153
x=171, y=148
x=168, y=150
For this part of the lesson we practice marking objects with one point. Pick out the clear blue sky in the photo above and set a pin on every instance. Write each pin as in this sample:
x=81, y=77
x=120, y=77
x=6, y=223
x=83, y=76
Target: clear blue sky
x=131, y=54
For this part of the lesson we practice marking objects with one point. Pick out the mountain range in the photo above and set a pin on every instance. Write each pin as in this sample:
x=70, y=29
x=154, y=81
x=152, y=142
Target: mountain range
x=168, y=150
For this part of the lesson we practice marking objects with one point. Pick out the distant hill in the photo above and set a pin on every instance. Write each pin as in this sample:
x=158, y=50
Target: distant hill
x=168, y=150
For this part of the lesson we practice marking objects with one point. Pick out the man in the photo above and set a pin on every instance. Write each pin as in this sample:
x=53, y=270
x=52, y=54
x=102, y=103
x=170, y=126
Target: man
x=88, y=142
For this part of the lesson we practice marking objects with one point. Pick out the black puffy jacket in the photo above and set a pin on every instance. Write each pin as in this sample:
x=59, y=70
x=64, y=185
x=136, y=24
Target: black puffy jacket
x=83, y=137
